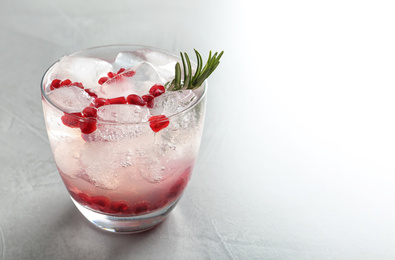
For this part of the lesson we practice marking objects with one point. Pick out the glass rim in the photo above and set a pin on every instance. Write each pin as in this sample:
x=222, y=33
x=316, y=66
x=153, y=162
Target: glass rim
x=48, y=100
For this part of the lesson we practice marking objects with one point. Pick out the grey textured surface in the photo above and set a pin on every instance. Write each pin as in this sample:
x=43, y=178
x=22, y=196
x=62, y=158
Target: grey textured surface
x=297, y=155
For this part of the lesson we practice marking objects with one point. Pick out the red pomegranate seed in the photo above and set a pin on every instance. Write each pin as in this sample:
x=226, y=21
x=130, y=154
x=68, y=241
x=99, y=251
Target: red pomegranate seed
x=120, y=70
x=103, y=80
x=101, y=102
x=89, y=112
x=111, y=74
x=84, y=198
x=87, y=125
x=149, y=99
x=77, y=84
x=66, y=82
x=115, y=79
x=91, y=92
x=117, y=100
x=71, y=119
x=129, y=73
x=157, y=90
x=55, y=84
x=140, y=207
x=119, y=206
x=157, y=123
x=134, y=99
x=101, y=201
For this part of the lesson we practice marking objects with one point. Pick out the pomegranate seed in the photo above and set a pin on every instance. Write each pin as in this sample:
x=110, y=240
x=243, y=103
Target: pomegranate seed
x=101, y=201
x=119, y=206
x=91, y=92
x=135, y=100
x=111, y=74
x=117, y=100
x=129, y=73
x=55, y=84
x=149, y=99
x=77, y=84
x=103, y=80
x=84, y=198
x=120, y=70
x=87, y=125
x=140, y=207
x=71, y=119
x=157, y=90
x=157, y=123
x=101, y=102
x=66, y=82
x=115, y=79
x=89, y=112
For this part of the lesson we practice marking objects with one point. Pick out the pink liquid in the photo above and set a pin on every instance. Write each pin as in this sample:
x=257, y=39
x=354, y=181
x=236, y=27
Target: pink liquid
x=133, y=197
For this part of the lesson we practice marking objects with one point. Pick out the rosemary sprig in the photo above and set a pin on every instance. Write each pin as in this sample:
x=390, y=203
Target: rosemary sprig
x=201, y=74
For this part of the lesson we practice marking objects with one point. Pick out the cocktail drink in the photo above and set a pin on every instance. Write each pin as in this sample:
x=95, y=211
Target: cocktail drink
x=124, y=131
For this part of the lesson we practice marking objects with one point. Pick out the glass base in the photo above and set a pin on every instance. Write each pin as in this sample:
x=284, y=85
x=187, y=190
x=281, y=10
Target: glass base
x=125, y=224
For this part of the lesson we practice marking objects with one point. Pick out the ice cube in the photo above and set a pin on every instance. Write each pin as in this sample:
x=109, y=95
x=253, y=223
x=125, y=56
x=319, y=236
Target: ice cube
x=163, y=62
x=172, y=102
x=81, y=69
x=118, y=122
x=144, y=78
x=127, y=60
x=70, y=98
x=67, y=157
x=116, y=87
x=148, y=168
x=123, y=113
x=105, y=163
x=147, y=72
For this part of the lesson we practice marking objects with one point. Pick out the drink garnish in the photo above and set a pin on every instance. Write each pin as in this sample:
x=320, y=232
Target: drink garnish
x=134, y=99
x=159, y=122
x=201, y=74
x=157, y=90
x=149, y=99
x=86, y=120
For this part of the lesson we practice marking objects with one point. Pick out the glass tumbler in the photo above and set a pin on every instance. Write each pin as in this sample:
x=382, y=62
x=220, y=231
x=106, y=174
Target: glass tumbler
x=125, y=175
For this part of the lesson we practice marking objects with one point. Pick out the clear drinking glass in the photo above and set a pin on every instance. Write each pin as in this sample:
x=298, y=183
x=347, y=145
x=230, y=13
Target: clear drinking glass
x=123, y=177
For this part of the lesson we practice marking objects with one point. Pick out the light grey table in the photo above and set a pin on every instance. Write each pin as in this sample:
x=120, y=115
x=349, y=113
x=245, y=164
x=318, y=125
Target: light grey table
x=297, y=157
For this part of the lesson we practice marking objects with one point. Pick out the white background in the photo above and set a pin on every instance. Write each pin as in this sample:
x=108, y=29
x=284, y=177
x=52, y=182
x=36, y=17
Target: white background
x=297, y=155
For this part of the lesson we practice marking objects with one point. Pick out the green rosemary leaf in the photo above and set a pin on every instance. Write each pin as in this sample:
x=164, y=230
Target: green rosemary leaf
x=189, y=75
x=219, y=56
x=177, y=79
x=207, y=63
x=184, y=66
x=199, y=65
